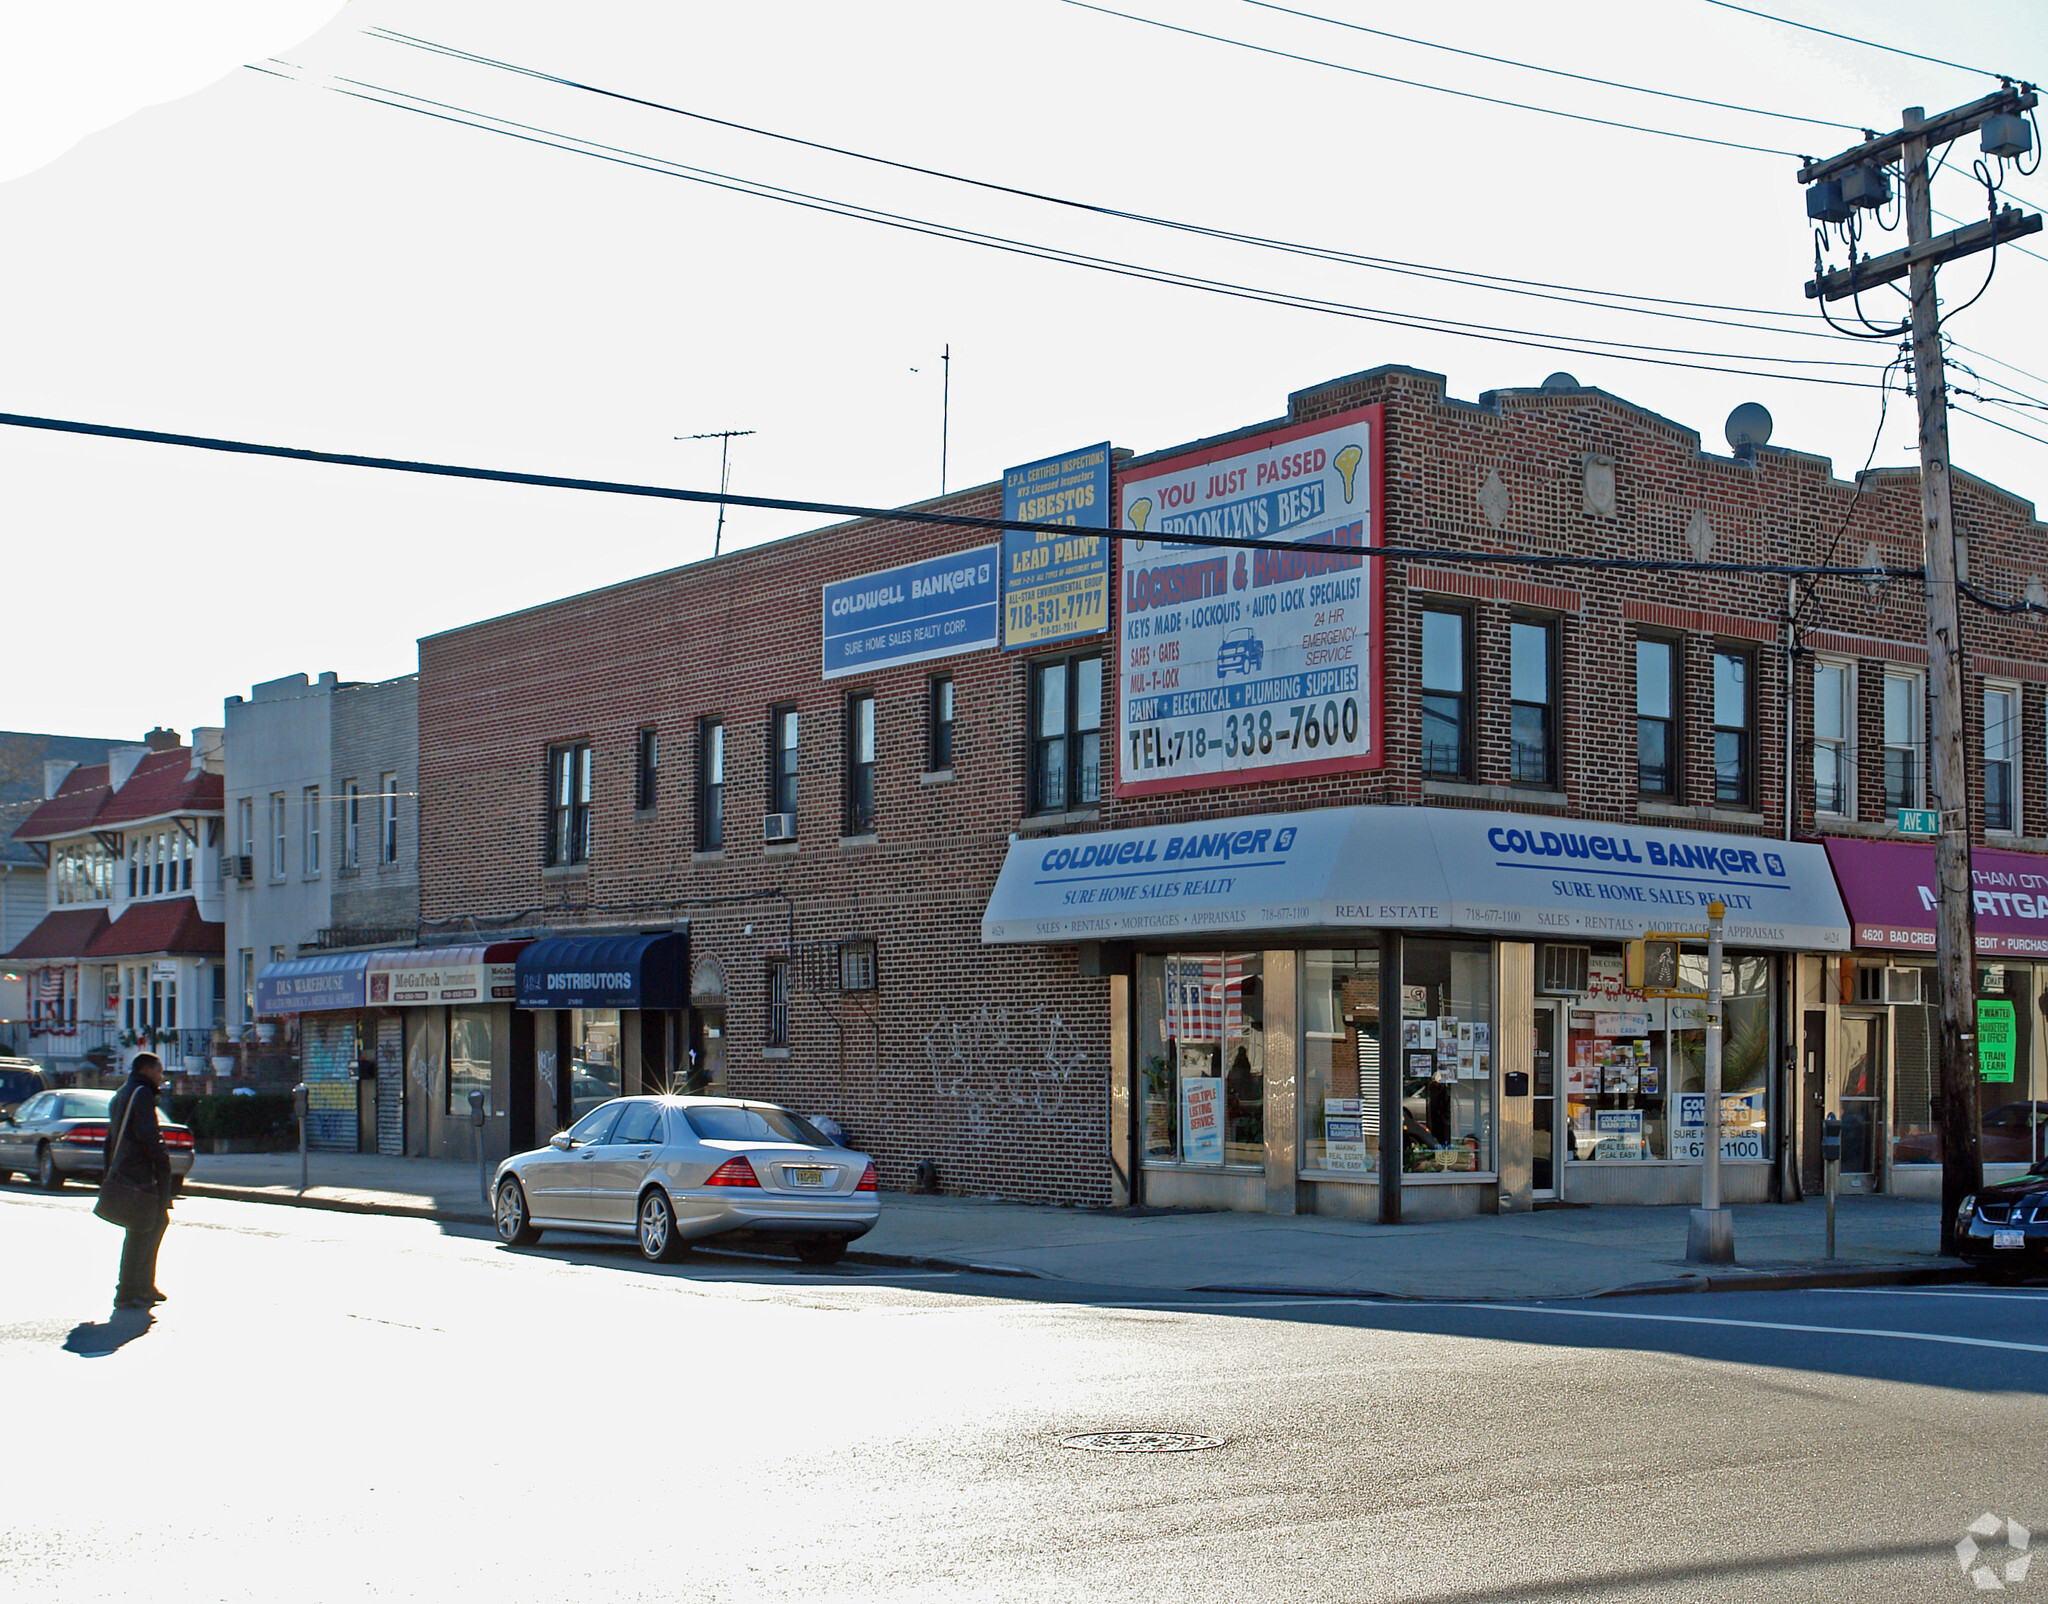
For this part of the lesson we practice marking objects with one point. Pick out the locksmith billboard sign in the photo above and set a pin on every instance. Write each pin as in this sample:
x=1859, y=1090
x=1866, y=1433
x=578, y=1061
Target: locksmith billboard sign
x=1056, y=586
x=935, y=608
x=1237, y=664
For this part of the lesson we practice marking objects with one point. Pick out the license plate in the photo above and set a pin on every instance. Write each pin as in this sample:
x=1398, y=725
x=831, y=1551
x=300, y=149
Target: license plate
x=817, y=1178
x=2008, y=1239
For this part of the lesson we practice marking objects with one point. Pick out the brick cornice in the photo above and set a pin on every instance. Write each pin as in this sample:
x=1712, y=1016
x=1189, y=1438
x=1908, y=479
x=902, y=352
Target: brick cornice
x=1695, y=618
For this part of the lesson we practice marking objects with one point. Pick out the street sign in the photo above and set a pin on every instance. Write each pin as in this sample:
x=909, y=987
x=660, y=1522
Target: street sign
x=1919, y=821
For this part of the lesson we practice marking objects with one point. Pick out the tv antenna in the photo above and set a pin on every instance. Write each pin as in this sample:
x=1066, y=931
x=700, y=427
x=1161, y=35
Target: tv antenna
x=725, y=438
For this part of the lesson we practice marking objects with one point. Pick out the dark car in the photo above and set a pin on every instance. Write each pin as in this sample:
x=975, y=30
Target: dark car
x=20, y=1079
x=62, y=1136
x=2006, y=1226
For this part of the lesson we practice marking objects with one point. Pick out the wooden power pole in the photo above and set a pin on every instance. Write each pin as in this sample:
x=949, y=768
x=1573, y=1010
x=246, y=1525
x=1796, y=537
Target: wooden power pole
x=1862, y=171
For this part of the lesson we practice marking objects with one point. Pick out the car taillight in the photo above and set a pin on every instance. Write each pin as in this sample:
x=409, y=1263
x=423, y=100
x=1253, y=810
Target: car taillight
x=85, y=1136
x=735, y=1171
x=180, y=1139
x=867, y=1179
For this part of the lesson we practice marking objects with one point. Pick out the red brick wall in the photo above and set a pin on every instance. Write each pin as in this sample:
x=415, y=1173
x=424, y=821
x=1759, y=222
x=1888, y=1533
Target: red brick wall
x=993, y=1062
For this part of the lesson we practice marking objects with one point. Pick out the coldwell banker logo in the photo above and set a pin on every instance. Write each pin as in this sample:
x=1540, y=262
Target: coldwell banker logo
x=1978, y=1555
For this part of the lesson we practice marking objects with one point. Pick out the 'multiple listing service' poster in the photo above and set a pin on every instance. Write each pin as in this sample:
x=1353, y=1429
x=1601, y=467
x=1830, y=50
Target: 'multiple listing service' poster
x=1235, y=663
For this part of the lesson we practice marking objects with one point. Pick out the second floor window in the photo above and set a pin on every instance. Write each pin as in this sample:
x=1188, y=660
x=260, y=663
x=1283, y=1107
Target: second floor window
x=1066, y=733
x=1446, y=702
x=1834, y=717
x=2001, y=757
x=310, y=802
x=245, y=829
x=711, y=785
x=277, y=835
x=1905, y=702
x=387, y=825
x=568, y=805
x=1657, y=717
x=782, y=757
x=1532, y=677
x=939, y=748
x=860, y=763
x=1734, y=752
x=646, y=769
x=351, y=825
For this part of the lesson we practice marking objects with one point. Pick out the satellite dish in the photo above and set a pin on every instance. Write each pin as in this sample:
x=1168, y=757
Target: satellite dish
x=1748, y=425
x=1560, y=380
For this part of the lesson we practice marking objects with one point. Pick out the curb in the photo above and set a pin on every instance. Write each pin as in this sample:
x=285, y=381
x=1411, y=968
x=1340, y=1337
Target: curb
x=1761, y=1281
x=406, y=1211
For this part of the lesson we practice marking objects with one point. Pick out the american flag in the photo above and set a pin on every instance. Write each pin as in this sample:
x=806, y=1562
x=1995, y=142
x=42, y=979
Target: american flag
x=1205, y=997
x=50, y=985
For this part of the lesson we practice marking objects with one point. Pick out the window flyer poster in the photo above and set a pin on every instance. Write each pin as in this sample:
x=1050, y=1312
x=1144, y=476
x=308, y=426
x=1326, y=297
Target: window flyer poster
x=1201, y=1119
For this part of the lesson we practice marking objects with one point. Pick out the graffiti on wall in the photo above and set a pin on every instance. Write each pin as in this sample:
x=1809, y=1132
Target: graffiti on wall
x=1002, y=1065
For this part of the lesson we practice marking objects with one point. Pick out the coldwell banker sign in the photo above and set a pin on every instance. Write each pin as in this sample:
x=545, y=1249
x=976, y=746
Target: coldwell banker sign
x=913, y=614
x=1248, y=664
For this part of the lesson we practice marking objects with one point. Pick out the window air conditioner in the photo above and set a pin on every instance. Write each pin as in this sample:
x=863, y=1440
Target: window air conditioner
x=778, y=827
x=245, y=867
x=1564, y=970
x=1902, y=985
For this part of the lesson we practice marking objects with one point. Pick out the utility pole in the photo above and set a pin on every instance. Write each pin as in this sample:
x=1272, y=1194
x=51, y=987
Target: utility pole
x=725, y=438
x=1837, y=187
x=945, y=409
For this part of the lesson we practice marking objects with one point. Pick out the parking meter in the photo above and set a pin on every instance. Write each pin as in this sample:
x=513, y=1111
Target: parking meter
x=299, y=1101
x=1831, y=1159
x=476, y=1122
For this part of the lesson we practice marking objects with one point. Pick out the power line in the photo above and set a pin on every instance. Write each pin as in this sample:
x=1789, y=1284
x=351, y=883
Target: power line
x=1580, y=345
x=920, y=515
x=1468, y=278
x=1555, y=72
x=1850, y=38
x=1412, y=83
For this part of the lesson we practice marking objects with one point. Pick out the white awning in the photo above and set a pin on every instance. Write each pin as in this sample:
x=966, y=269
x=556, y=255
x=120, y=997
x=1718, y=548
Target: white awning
x=1535, y=877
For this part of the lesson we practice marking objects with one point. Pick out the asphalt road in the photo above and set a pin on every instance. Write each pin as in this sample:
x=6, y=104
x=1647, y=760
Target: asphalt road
x=344, y=1407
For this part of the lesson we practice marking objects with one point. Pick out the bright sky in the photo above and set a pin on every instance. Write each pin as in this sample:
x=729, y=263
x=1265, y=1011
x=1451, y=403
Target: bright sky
x=205, y=249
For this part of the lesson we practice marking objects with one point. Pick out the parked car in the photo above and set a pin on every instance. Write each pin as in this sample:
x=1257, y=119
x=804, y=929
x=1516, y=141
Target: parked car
x=62, y=1136
x=2012, y=1133
x=671, y=1172
x=2006, y=1226
x=20, y=1079
x=1241, y=652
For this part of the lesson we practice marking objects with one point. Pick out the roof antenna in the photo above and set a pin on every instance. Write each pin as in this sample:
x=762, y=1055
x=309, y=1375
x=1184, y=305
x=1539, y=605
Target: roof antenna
x=724, y=437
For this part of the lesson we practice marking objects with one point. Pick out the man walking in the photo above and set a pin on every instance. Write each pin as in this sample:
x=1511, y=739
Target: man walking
x=135, y=1155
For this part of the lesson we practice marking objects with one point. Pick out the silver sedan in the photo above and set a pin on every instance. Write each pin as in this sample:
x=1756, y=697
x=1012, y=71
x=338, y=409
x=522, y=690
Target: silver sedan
x=670, y=1172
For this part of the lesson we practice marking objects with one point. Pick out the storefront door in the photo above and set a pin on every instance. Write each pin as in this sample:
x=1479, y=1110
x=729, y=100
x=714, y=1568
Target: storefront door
x=1862, y=1101
x=1543, y=1061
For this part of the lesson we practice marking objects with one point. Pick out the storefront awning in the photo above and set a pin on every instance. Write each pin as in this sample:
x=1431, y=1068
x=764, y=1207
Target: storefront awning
x=1514, y=874
x=648, y=971
x=309, y=985
x=430, y=976
x=1889, y=887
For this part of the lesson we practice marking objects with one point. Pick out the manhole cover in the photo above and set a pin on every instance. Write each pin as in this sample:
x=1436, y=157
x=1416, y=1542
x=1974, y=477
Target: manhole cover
x=1140, y=1442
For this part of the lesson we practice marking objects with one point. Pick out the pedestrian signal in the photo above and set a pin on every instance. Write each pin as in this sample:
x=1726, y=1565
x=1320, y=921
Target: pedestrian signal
x=1653, y=966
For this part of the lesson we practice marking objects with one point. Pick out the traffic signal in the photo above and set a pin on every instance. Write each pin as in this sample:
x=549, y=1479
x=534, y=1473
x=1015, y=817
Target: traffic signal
x=1653, y=965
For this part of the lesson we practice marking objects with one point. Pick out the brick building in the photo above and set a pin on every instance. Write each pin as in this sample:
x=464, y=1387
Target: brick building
x=959, y=929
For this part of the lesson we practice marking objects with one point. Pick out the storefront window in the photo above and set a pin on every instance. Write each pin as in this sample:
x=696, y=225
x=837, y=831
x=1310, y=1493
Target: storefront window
x=1446, y=1056
x=594, y=1070
x=1635, y=1066
x=1340, y=1075
x=2012, y=1119
x=469, y=1058
x=1202, y=1057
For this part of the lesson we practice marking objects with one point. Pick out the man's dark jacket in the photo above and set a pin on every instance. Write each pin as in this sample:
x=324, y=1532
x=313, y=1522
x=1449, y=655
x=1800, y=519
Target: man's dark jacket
x=143, y=1160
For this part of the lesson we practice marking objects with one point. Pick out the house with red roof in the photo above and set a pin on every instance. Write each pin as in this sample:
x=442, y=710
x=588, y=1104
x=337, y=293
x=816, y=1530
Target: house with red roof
x=130, y=949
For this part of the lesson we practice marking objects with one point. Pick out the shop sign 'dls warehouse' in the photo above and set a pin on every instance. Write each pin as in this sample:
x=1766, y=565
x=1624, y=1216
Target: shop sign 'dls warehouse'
x=1248, y=664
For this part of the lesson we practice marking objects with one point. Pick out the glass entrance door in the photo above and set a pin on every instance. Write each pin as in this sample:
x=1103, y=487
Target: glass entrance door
x=1862, y=1101
x=1543, y=1061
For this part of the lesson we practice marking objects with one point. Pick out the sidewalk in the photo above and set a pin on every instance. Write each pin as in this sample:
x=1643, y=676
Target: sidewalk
x=1554, y=1253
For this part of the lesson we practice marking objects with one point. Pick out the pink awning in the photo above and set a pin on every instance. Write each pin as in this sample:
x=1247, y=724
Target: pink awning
x=1889, y=889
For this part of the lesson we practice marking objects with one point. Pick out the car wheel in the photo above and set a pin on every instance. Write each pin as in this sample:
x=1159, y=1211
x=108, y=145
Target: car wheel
x=48, y=1176
x=515, y=1229
x=822, y=1249
x=659, y=1242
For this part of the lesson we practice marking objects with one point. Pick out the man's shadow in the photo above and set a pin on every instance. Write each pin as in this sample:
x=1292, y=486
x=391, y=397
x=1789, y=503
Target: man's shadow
x=93, y=1340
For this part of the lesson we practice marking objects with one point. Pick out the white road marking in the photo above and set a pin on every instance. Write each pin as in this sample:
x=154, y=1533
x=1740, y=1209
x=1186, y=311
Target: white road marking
x=1756, y=1325
x=1907, y=1292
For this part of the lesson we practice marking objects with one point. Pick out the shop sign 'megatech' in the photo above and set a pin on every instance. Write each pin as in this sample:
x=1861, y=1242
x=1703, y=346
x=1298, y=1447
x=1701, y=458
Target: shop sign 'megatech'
x=1240, y=664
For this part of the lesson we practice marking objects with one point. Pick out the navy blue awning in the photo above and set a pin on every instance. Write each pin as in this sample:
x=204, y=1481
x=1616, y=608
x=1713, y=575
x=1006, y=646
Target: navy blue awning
x=606, y=972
